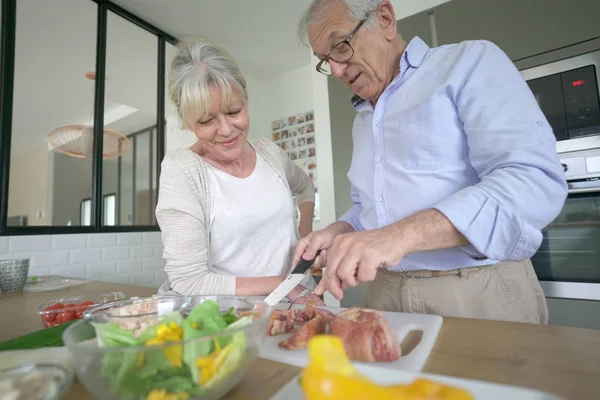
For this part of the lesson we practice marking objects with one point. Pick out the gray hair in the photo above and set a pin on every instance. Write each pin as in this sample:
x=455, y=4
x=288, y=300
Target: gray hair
x=357, y=9
x=198, y=66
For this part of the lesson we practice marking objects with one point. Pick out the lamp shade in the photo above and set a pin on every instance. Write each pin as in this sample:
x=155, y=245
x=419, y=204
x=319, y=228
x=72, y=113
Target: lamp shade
x=78, y=141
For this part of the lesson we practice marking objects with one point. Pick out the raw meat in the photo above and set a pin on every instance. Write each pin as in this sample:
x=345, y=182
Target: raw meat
x=299, y=340
x=367, y=335
x=279, y=322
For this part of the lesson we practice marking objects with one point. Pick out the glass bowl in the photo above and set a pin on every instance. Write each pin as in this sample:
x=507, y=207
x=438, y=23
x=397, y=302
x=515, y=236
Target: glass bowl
x=65, y=309
x=35, y=382
x=205, y=366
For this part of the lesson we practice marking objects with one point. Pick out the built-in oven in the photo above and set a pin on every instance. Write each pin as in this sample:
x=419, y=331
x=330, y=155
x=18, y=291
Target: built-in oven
x=566, y=84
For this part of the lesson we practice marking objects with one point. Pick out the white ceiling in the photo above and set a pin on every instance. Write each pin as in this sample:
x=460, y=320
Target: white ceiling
x=261, y=34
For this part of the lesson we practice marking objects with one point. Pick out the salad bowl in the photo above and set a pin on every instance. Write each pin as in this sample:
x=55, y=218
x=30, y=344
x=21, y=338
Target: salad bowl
x=200, y=348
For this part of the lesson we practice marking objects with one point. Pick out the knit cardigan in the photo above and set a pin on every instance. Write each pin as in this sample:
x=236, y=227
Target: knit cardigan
x=183, y=214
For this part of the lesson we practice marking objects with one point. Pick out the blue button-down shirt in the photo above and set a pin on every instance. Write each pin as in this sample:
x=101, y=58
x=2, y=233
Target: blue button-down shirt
x=460, y=131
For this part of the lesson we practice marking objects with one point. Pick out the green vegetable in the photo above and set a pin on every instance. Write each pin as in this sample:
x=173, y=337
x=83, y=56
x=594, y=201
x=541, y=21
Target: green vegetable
x=229, y=317
x=132, y=375
x=110, y=334
x=204, y=320
x=49, y=337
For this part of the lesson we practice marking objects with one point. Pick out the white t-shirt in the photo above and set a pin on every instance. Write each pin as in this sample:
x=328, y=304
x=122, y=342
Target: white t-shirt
x=252, y=231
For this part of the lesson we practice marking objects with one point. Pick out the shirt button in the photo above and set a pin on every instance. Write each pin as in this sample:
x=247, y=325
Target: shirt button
x=378, y=124
x=378, y=161
x=378, y=198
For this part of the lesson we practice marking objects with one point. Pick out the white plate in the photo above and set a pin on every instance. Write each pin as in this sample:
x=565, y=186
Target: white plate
x=401, y=323
x=385, y=376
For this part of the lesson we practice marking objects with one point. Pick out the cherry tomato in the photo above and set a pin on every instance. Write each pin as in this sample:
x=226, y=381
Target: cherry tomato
x=70, y=305
x=51, y=316
x=81, y=307
x=65, y=316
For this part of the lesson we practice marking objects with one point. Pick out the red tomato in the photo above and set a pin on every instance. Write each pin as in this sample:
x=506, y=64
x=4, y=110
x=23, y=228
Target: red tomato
x=81, y=307
x=65, y=316
x=70, y=305
x=51, y=316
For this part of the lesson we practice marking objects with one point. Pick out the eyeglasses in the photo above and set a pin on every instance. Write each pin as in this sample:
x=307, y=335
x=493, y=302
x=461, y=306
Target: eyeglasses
x=340, y=53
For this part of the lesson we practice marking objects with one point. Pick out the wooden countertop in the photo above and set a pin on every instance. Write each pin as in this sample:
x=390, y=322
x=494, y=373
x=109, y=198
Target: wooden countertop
x=561, y=360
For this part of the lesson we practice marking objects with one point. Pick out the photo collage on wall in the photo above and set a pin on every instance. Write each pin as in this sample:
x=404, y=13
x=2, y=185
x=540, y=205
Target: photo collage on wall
x=296, y=135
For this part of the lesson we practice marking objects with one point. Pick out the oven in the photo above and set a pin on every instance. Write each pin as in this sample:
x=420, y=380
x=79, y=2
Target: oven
x=566, y=84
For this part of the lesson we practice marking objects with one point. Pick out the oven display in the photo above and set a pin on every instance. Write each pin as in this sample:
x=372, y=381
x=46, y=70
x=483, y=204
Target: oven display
x=570, y=102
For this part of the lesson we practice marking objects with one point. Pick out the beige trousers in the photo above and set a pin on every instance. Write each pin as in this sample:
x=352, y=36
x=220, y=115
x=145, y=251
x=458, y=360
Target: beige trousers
x=507, y=291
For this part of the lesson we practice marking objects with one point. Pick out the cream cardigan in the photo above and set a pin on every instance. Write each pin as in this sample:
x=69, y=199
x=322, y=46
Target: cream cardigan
x=183, y=214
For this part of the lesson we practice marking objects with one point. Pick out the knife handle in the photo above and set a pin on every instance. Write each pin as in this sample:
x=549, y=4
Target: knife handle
x=304, y=265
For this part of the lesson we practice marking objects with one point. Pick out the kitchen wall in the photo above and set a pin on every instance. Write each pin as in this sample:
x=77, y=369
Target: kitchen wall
x=295, y=92
x=28, y=185
x=130, y=258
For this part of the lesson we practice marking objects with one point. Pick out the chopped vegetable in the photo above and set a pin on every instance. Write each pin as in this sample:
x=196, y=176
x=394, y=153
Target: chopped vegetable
x=165, y=369
x=330, y=375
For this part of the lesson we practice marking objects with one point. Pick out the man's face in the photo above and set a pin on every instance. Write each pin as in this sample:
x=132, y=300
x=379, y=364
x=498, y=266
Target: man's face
x=367, y=72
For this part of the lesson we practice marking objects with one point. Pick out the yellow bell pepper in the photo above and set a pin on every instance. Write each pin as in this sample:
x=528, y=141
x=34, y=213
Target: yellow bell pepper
x=160, y=394
x=210, y=364
x=330, y=375
x=166, y=333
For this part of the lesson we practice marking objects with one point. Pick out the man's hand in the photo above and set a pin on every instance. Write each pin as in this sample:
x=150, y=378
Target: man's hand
x=308, y=246
x=355, y=257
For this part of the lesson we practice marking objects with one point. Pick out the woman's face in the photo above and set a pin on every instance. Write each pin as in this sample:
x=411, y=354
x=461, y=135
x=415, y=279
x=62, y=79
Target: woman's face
x=224, y=130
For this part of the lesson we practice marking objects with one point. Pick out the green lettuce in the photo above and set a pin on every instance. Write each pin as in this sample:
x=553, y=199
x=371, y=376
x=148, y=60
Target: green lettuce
x=110, y=334
x=204, y=320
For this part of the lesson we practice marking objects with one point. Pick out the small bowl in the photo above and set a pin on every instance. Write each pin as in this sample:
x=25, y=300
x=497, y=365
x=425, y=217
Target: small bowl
x=112, y=373
x=52, y=316
x=57, y=380
x=13, y=274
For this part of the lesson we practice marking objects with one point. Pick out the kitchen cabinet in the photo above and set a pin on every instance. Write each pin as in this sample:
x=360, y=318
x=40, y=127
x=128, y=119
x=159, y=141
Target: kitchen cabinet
x=415, y=25
x=522, y=28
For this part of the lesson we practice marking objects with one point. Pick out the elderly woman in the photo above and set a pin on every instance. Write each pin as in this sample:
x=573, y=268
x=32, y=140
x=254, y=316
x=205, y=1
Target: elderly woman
x=226, y=205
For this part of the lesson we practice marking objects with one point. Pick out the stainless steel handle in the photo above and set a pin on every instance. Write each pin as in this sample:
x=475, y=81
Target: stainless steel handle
x=585, y=190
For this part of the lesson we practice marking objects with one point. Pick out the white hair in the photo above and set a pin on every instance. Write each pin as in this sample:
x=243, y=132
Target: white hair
x=197, y=67
x=357, y=10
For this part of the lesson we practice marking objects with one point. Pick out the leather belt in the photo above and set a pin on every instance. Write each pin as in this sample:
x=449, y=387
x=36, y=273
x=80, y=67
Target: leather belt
x=425, y=273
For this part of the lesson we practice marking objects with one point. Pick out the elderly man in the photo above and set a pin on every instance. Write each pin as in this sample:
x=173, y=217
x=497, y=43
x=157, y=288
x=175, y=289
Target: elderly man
x=454, y=172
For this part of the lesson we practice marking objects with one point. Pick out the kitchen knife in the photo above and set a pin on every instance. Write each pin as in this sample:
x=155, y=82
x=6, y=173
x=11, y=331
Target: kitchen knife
x=298, y=274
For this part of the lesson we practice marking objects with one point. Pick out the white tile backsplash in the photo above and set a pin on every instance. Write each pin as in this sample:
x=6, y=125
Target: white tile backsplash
x=86, y=255
x=131, y=258
x=27, y=244
x=3, y=245
x=98, y=270
x=129, y=266
x=144, y=251
x=49, y=258
x=69, y=242
x=102, y=240
x=116, y=253
x=128, y=239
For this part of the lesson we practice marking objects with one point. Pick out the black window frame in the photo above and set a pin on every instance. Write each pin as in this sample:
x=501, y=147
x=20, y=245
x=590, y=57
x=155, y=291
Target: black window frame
x=7, y=61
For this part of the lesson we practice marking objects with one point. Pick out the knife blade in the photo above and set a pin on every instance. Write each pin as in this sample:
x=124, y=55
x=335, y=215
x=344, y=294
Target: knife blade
x=284, y=288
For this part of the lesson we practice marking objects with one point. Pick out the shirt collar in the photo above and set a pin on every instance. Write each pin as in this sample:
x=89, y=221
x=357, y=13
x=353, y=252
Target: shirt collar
x=413, y=55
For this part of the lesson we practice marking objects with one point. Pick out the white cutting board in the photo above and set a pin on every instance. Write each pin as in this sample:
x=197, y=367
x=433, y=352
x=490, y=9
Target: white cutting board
x=480, y=390
x=401, y=323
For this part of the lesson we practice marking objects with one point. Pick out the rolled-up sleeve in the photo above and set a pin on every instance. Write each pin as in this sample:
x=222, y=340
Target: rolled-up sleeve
x=512, y=148
x=352, y=216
